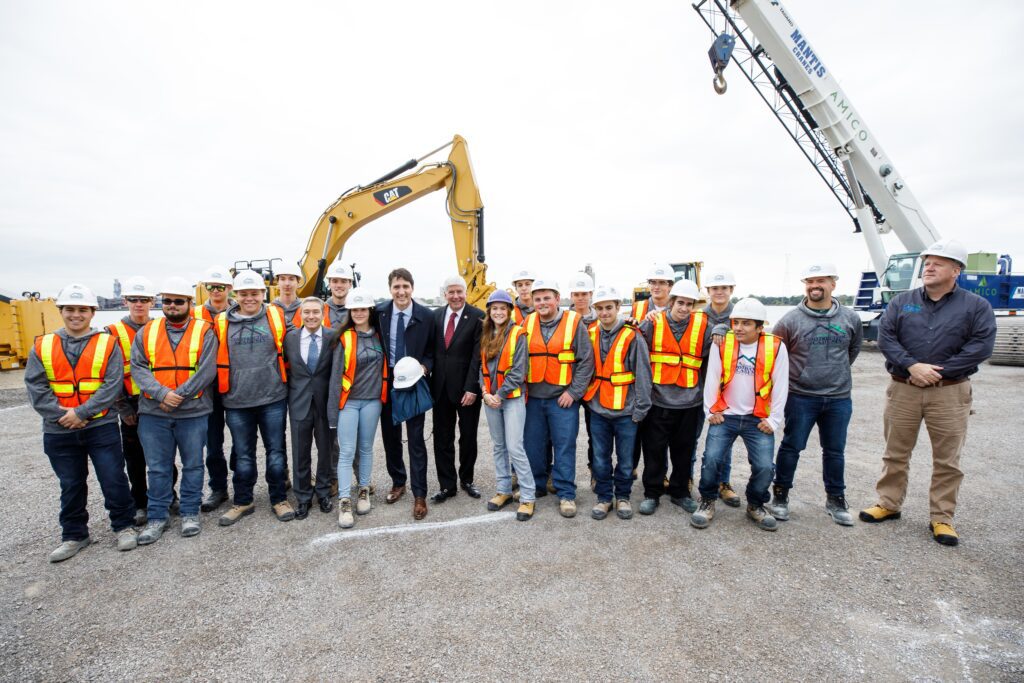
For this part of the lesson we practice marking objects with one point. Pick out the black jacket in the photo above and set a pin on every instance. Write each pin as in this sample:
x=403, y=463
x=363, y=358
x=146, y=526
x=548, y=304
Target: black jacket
x=305, y=386
x=419, y=333
x=457, y=368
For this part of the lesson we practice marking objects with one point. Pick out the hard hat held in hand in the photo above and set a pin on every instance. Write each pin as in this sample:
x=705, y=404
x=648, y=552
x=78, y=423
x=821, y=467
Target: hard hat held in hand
x=720, y=278
x=249, y=279
x=603, y=293
x=139, y=286
x=821, y=269
x=749, y=309
x=408, y=371
x=217, y=275
x=340, y=271
x=581, y=282
x=661, y=271
x=359, y=297
x=289, y=269
x=948, y=248
x=77, y=295
x=177, y=286
x=686, y=289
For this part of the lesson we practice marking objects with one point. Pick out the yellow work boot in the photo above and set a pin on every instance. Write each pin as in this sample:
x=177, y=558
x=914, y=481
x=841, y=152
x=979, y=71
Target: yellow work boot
x=550, y=485
x=728, y=496
x=877, y=513
x=236, y=513
x=284, y=511
x=499, y=501
x=944, y=533
x=525, y=512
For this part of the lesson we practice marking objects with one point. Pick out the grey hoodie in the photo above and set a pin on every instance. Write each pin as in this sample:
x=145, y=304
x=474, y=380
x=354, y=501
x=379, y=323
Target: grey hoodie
x=673, y=396
x=719, y=322
x=255, y=379
x=206, y=373
x=288, y=310
x=516, y=375
x=822, y=346
x=366, y=384
x=638, y=398
x=338, y=314
x=43, y=401
x=582, y=370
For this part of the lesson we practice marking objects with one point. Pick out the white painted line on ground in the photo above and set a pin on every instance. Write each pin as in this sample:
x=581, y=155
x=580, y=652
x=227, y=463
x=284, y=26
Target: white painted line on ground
x=407, y=528
x=23, y=405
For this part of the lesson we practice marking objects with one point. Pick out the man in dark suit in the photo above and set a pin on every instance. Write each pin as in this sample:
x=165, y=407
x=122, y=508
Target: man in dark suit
x=407, y=329
x=455, y=387
x=307, y=350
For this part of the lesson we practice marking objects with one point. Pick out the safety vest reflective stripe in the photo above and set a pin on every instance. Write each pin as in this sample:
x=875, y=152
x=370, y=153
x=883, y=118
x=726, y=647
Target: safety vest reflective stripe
x=678, y=362
x=125, y=336
x=72, y=387
x=552, y=361
x=201, y=312
x=172, y=368
x=506, y=356
x=640, y=309
x=611, y=379
x=768, y=346
x=275, y=318
x=350, y=348
x=517, y=315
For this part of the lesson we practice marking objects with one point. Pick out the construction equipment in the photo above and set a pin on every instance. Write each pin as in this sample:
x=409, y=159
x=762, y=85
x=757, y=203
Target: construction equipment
x=21, y=321
x=790, y=76
x=688, y=270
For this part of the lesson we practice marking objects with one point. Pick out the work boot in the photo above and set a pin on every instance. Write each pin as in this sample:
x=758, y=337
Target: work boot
x=601, y=509
x=141, y=517
x=944, y=533
x=127, y=539
x=153, y=531
x=515, y=481
x=780, y=503
x=284, y=511
x=623, y=509
x=213, y=500
x=550, y=486
x=525, y=512
x=764, y=519
x=190, y=526
x=837, y=507
x=685, y=502
x=877, y=513
x=334, y=488
x=567, y=508
x=499, y=501
x=236, y=513
x=68, y=549
x=345, y=518
x=704, y=514
x=648, y=506
x=728, y=496
x=175, y=506
x=363, y=505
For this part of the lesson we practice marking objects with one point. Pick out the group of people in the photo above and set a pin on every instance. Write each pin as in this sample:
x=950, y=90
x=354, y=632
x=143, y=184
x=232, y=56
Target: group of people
x=144, y=395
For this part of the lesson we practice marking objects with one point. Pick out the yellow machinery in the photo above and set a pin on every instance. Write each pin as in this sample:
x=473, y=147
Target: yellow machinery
x=21, y=321
x=689, y=270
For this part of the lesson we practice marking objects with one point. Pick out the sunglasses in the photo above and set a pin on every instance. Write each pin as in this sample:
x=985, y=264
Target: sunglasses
x=175, y=302
x=216, y=288
x=138, y=299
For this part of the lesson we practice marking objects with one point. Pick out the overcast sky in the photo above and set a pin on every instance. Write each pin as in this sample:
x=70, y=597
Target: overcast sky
x=161, y=138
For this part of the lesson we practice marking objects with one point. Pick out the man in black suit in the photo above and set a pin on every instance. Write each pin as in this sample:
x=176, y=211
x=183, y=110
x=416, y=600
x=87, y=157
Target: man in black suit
x=307, y=350
x=455, y=388
x=407, y=329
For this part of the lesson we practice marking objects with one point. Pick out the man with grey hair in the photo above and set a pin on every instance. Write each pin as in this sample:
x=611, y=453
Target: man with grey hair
x=455, y=386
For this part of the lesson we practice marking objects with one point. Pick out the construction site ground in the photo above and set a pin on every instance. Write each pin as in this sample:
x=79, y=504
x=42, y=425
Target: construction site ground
x=468, y=594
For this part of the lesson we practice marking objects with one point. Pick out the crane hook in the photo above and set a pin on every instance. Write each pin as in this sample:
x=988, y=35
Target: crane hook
x=719, y=82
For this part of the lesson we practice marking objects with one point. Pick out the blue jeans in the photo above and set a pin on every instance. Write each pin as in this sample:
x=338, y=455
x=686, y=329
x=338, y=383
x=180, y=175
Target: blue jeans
x=548, y=423
x=832, y=415
x=718, y=445
x=69, y=456
x=216, y=465
x=619, y=432
x=726, y=471
x=270, y=420
x=161, y=437
x=357, y=426
x=506, y=426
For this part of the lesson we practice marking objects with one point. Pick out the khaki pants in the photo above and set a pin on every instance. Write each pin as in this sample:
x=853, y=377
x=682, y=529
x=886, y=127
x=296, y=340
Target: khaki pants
x=944, y=411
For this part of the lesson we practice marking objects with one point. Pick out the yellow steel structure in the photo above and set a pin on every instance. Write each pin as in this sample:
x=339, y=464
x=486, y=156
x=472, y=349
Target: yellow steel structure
x=21, y=321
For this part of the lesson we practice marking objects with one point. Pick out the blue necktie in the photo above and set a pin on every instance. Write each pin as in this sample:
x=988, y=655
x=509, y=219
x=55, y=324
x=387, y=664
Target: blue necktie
x=400, y=338
x=313, y=355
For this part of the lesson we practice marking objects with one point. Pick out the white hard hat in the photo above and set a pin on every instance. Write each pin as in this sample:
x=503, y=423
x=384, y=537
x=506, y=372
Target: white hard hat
x=661, y=271
x=217, y=275
x=339, y=270
x=249, y=279
x=178, y=286
x=289, y=269
x=820, y=269
x=686, y=289
x=749, y=309
x=408, y=371
x=77, y=295
x=138, y=286
x=359, y=297
x=525, y=274
x=720, y=278
x=541, y=283
x=581, y=282
x=948, y=248
x=603, y=293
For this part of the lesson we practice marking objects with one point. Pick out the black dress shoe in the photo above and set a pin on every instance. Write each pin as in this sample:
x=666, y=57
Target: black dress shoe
x=441, y=496
x=326, y=504
x=301, y=510
x=470, y=489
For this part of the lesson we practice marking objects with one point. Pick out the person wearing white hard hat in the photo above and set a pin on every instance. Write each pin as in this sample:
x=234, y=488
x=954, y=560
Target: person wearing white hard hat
x=73, y=378
x=744, y=397
x=174, y=361
x=357, y=393
x=407, y=329
x=561, y=366
x=252, y=380
x=288, y=277
x=933, y=338
x=823, y=339
x=581, y=289
x=619, y=397
x=138, y=295
x=217, y=282
x=339, y=279
x=679, y=341
x=522, y=282
x=660, y=278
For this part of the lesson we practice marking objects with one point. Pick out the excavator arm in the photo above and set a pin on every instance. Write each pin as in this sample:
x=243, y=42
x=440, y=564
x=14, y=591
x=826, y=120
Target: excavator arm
x=360, y=205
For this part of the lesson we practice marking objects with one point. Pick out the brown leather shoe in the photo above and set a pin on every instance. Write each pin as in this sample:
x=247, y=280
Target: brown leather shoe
x=395, y=493
x=419, y=508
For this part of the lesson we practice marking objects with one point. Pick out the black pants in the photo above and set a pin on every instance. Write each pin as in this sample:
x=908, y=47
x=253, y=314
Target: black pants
x=671, y=430
x=590, y=440
x=391, y=435
x=135, y=462
x=446, y=413
x=305, y=433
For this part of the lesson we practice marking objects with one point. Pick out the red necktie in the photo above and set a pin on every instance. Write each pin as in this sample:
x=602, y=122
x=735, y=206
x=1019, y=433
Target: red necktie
x=449, y=331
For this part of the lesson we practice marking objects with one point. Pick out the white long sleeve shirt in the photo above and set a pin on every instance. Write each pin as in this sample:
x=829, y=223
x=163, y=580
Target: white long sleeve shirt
x=740, y=392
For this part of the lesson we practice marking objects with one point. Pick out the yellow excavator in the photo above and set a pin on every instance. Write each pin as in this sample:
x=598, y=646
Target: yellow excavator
x=21, y=321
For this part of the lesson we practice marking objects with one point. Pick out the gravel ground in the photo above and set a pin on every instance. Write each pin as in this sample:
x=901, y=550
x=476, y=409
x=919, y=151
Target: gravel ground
x=650, y=598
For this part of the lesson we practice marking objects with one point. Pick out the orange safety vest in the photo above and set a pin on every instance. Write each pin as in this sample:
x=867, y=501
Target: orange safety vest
x=296, y=316
x=767, y=351
x=327, y=315
x=505, y=358
x=552, y=362
x=640, y=309
x=349, y=345
x=172, y=368
x=74, y=385
x=517, y=315
x=678, y=362
x=201, y=312
x=125, y=336
x=275, y=318
x=610, y=376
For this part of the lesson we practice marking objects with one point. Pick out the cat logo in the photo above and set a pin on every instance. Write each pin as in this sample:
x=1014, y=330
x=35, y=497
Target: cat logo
x=385, y=197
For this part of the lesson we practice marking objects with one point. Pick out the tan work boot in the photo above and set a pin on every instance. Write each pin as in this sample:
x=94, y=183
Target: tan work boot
x=600, y=509
x=550, y=485
x=877, y=513
x=727, y=495
x=525, y=512
x=345, y=518
x=623, y=509
x=944, y=533
x=236, y=513
x=499, y=501
x=363, y=505
x=284, y=511
x=567, y=508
